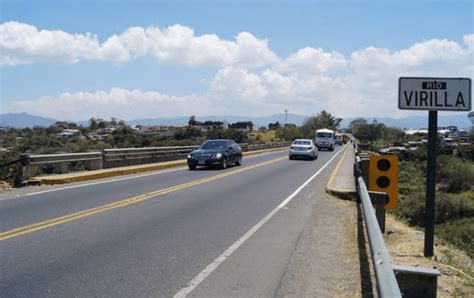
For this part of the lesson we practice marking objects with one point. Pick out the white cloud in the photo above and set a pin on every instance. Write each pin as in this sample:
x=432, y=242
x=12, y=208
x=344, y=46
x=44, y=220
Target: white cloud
x=116, y=102
x=23, y=43
x=312, y=61
x=237, y=84
x=252, y=80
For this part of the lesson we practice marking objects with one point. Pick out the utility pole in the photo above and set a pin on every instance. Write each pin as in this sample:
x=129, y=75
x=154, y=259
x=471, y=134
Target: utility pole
x=286, y=116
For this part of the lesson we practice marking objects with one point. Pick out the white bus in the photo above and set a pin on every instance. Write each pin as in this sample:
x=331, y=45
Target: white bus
x=324, y=139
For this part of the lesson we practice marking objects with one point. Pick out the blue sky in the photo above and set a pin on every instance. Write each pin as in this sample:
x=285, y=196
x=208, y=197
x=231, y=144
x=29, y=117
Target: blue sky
x=308, y=56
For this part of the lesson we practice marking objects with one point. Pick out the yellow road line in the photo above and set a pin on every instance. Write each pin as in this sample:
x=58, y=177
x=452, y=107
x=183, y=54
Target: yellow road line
x=333, y=175
x=122, y=203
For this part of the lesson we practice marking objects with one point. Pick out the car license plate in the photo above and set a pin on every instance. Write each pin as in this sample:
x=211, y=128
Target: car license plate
x=201, y=162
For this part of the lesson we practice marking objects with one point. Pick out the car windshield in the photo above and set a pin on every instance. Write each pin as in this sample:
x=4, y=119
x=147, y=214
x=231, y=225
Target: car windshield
x=213, y=145
x=301, y=143
x=324, y=135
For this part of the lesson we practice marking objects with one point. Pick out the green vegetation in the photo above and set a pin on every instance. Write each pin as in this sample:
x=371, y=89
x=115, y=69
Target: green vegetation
x=375, y=132
x=454, y=205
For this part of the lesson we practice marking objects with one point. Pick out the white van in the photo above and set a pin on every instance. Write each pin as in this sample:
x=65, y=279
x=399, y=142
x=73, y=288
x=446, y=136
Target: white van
x=324, y=139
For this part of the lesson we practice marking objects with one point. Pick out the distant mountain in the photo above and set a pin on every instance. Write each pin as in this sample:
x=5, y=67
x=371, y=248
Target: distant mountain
x=20, y=120
x=257, y=121
x=460, y=120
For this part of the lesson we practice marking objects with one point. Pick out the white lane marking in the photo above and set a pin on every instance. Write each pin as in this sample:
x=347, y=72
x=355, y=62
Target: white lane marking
x=228, y=252
x=121, y=179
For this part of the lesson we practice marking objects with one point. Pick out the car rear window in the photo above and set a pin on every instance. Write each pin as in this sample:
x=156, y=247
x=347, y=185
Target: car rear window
x=301, y=143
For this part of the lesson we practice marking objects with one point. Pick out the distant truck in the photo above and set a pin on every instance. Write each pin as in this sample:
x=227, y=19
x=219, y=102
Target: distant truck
x=324, y=139
x=338, y=139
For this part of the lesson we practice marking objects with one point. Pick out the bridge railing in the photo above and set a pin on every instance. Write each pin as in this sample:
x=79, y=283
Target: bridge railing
x=32, y=164
x=391, y=280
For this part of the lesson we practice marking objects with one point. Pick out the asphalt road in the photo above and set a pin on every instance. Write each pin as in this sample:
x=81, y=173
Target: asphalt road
x=144, y=236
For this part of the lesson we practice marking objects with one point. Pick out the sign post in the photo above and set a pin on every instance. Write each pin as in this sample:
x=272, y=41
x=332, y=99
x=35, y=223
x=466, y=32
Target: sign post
x=433, y=95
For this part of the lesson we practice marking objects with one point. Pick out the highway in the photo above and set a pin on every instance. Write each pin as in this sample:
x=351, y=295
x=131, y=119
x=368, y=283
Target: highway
x=163, y=234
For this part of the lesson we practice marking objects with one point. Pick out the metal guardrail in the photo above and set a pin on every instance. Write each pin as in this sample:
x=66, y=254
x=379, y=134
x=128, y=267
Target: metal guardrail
x=110, y=158
x=392, y=281
x=387, y=285
x=63, y=157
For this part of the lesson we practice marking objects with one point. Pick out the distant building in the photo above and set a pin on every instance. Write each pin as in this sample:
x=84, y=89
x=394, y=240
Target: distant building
x=69, y=133
x=158, y=130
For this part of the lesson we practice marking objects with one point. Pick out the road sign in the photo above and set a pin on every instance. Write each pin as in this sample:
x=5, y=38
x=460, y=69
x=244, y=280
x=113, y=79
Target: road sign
x=383, y=177
x=434, y=94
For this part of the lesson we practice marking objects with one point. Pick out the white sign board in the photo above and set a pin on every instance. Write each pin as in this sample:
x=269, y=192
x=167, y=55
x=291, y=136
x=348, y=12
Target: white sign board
x=434, y=94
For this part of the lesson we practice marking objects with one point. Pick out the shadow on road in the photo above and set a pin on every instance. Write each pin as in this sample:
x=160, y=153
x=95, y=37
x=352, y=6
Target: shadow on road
x=365, y=277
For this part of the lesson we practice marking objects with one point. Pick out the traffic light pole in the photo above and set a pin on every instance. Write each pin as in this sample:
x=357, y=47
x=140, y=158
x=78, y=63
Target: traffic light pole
x=431, y=182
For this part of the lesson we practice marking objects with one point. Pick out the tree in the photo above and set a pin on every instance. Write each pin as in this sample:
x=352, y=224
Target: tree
x=192, y=121
x=242, y=125
x=93, y=124
x=289, y=132
x=322, y=120
x=113, y=121
x=355, y=124
x=212, y=123
x=373, y=132
x=274, y=126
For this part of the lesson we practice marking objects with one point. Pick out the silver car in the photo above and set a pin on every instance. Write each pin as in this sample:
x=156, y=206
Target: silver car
x=303, y=148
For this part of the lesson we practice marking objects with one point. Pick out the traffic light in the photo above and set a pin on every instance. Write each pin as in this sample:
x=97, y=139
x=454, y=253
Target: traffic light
x=383, y=177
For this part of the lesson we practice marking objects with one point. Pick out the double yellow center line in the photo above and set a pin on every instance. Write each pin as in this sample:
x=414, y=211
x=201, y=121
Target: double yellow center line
x=122, y=203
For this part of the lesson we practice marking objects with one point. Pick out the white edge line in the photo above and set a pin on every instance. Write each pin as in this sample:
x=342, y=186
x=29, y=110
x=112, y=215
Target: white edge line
x=117, y=179
x=228, y=252
x=106, y=181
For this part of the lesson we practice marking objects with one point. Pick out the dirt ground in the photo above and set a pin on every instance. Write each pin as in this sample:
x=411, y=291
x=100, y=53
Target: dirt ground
x=405, y=245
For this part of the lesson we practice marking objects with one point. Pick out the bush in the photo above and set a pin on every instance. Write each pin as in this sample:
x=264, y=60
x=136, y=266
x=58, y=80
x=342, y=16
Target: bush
x=419, y=154
x=448, y=207
x=460, y=233
x=456, y=174
x=466, y=152
x=411, y=178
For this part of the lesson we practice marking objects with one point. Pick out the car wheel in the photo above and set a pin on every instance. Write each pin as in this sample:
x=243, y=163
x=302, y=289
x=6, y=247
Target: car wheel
x=239, y=160
x=290, y=157
x=192, y=167
x=224, y=163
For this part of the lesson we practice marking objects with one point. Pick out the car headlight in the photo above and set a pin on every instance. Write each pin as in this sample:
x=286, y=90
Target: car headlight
x=190, y=156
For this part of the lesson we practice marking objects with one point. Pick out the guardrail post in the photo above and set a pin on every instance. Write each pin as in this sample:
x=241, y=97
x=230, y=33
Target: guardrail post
x=364, y=169
x=104, y=160
x=416, y=281
x=91, y=165
x=62, y=168
x=379, y=199
x=27, y=170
